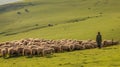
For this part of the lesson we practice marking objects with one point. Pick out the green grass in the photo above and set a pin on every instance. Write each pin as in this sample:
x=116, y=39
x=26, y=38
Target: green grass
x=62, y=14
x=80, y=30
x=105, y=57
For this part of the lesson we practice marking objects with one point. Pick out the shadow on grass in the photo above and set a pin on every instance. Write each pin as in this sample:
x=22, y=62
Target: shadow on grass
x=68, y=63
x=115, y=65
x=50, y=56
x=10, y=57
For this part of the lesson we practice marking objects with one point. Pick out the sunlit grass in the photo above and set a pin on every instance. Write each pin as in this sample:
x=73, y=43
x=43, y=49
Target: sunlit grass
x=59, y=13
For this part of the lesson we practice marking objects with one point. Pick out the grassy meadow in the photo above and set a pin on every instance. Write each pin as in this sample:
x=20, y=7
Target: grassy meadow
x=70, y=19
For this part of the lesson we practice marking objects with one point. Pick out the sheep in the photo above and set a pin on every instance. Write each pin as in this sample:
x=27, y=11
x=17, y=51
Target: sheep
x=36, y=40
x=27, y=51
x=6, y=46
x=107, y=43
x=79, y=47
x=47, y=51
x=65, y=48
x=93, y=43
x=19, y=50
x=4, y=52
x=57, y=48
x=88, y=46
x=0, y=50
x=34, y=51
x=40, y=51
x=25, y=42
x=12, y=52
x=71, y=44
x=115, y=42
x=31, y=47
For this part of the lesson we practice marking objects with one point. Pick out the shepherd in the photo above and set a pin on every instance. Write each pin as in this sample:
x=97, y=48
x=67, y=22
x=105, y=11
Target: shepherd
x=99, y=40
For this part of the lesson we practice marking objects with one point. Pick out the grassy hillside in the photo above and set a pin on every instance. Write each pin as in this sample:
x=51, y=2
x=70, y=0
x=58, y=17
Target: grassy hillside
x=105, y=57
x=73, y=19
x=70, y=19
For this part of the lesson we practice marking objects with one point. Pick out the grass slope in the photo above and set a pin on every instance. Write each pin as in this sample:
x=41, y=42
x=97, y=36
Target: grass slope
x=105, y=57
x=73, y=19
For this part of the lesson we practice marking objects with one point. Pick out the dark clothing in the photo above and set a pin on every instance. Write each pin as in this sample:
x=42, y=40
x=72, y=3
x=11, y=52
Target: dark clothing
x=99, y=44
x=99, y=40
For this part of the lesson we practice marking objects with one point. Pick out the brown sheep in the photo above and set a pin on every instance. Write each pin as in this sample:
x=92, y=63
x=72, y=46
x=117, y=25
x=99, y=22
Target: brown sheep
x=40, y=51
x=79, y=41
x=29, y=39
x=88, y=46
x=3, y=43
x=84, y=42
x=12, y=52
x=43, y=43
x=19, y=50
x=27, y=51
x=107, y=43
x=33, y=46
x=92, y=42
x=110, y=42
x=16, y=43
x=0, y=50
x=47, y=51
x=71, y=45
x=37, y=43
x=34, y=51
x=36, y=40
x=57, y=48
x=7, y=42
x=30, y=43
x=79, y=47
x=115, y=42
x=6, y=46
x=65, y=48
x=4, y=52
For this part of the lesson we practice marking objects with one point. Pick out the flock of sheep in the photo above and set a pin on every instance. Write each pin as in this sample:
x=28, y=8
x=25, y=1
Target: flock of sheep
x=42, y=47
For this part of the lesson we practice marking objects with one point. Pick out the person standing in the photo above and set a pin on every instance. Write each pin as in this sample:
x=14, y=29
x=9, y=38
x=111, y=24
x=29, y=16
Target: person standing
x=99, y=40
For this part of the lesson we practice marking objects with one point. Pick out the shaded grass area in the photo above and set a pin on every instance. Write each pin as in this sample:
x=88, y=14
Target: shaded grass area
x=83, y=58
x=14, y=6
